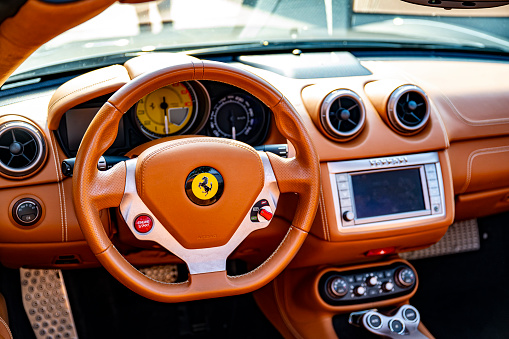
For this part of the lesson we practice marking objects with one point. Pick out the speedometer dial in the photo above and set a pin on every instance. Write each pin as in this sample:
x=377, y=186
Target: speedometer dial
x=236, y=116
x=167, y=111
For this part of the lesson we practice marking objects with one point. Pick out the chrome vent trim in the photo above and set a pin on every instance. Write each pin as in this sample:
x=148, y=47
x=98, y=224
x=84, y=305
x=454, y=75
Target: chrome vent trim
x=408, y=109
x=342, y=114
x=22, y=149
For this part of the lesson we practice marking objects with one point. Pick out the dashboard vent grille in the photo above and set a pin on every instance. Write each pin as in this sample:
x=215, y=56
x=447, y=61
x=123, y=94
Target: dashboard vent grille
x=342, y=114
x=408, y=109
x=22, y=149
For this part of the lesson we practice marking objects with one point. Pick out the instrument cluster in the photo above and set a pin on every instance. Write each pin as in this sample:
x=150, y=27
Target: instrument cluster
x=185, y=108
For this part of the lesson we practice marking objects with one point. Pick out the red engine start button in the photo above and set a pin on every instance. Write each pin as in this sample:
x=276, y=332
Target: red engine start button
x=143, y=223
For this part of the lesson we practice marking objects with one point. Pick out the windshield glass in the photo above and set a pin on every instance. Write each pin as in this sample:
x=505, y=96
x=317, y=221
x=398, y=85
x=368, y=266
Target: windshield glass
x=182, y=25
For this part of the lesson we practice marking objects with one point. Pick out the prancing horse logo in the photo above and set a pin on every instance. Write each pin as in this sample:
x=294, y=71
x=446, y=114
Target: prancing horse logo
x=203, y=185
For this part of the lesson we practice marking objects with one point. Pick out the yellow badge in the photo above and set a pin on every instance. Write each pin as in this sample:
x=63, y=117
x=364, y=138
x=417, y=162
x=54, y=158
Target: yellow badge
x=205, y=186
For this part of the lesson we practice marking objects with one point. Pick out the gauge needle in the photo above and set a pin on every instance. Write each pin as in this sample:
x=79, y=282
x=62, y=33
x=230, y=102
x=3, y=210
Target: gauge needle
x=232, y=120
x=165, y=109
x=166, y=119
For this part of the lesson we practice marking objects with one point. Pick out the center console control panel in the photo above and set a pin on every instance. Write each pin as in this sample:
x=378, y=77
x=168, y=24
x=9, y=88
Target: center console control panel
x=367, y=285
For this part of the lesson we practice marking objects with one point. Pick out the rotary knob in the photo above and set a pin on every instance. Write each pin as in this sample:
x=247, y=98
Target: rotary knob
x=387, y=286
x=359, y=291
x=404, y=277
x=348, y=216
x=26, y=212
x=338, y=287
x=372, y=281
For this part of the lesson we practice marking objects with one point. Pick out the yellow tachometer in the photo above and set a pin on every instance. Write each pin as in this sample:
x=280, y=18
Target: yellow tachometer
x=166, y=111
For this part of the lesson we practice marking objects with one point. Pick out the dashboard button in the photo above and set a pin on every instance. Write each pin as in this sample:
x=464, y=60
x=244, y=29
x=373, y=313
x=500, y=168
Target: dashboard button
x=396, y=326
x=143, y=223
x=341, y=178
x=374, y=321
x=410, y=314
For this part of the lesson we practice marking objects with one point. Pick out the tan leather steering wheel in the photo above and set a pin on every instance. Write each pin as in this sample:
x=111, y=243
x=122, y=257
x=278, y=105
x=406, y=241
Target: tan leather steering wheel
x=153, y=186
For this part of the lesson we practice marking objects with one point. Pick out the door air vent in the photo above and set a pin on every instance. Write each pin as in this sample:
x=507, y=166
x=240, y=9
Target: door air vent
x=342, y=114
x=22, y=149
x=408, y=109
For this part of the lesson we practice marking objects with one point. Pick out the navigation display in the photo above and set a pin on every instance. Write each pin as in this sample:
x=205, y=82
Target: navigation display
x=387, y=192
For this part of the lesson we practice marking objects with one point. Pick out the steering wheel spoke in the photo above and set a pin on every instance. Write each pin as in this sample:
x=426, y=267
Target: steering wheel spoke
x=291, y=175
x=108, y=186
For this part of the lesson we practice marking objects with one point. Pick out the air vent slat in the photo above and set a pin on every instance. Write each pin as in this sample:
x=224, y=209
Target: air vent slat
x=22, y=149
x=342, y=114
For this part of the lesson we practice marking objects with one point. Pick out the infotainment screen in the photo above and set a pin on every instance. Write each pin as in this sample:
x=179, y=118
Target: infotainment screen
x=380, y=193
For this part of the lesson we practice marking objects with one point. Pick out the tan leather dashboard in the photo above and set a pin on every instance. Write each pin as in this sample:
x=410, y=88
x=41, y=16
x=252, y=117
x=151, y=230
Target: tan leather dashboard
x=472, y=144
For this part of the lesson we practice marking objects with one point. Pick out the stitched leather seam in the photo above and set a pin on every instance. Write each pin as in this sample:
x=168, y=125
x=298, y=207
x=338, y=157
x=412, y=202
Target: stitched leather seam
x=473, y=155
x=6, y=326
x=53, y=147
x=157, y=281
x=61, y=183
x=271, y=256
x=79, y=90
x=487, y=122
x=323, y=213
x=267, y=260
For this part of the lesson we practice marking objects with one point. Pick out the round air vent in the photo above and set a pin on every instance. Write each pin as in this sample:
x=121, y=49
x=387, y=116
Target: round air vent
x=22, y=149
x=408, y=109
x=342, y=114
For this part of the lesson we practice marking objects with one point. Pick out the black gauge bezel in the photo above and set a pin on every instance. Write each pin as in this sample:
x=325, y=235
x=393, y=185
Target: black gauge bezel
x=260, y=115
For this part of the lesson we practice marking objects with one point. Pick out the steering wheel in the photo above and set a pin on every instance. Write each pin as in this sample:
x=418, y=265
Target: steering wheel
x=163, y=194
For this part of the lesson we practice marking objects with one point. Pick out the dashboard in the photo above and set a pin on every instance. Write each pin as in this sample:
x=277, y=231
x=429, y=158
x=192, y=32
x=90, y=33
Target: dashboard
x=383, y=113
x=405, y=148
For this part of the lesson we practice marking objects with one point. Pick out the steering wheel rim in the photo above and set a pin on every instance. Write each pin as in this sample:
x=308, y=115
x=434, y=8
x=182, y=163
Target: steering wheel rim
x=94, y=190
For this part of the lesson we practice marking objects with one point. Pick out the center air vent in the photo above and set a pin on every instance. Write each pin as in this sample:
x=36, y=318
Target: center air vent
x=408, y=109
x=22, y=149
x=342, y=114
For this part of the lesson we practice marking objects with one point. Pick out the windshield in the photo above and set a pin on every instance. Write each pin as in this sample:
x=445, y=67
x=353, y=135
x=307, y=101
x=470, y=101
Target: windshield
x=182, y=25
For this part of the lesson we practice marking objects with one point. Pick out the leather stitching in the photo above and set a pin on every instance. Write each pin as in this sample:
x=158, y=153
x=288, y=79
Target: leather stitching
x=323, y=213
x=79, y=90
x=473, y=155
x=270, y=257
x=6, y=326
x=53, y=147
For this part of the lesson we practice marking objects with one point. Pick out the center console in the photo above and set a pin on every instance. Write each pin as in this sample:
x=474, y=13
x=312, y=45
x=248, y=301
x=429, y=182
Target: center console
x=371, y=210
